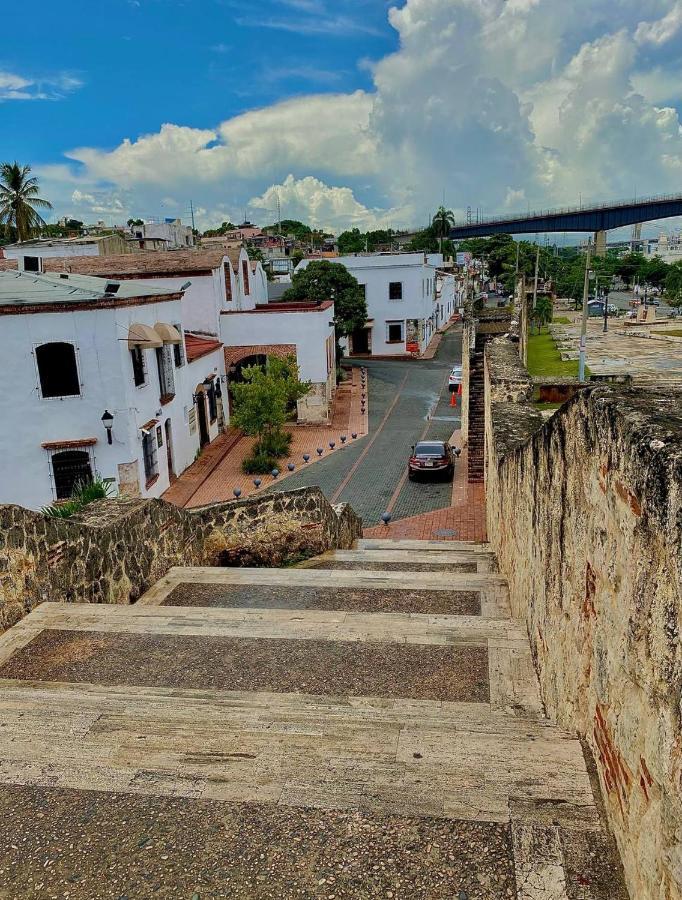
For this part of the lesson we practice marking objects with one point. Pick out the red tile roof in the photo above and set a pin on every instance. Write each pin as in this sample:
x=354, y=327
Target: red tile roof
x=145, y=264
x=197, y=346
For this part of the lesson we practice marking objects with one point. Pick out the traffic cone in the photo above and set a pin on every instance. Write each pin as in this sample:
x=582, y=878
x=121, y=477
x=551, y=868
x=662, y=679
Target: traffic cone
x=453, y=399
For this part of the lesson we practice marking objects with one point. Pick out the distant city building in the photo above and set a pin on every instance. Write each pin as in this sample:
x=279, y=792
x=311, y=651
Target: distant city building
x=93, y=245
x=171, y=232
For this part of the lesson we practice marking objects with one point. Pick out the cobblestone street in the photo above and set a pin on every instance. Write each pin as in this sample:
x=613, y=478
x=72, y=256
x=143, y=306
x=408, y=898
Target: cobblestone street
x=408, y=401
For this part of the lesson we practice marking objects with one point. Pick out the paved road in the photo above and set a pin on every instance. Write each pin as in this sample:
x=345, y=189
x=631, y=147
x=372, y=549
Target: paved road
x=408, y=401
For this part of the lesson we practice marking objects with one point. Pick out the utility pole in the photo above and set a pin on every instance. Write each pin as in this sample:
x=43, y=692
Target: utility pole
x=516, y=273
x=583, y=324
x=191, y=209
x=535, y=283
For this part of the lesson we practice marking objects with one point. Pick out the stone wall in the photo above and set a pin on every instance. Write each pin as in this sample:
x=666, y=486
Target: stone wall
x=116, y=549
x=585, y=514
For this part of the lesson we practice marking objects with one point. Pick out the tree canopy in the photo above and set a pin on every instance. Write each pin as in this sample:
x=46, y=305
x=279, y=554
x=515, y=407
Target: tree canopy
x=324, y=280
x=19, y=200
x=356, y=241
x=263, y=398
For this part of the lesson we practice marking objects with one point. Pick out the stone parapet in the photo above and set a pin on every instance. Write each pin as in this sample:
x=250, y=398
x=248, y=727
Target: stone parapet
x=585, y=515
x=116, y=549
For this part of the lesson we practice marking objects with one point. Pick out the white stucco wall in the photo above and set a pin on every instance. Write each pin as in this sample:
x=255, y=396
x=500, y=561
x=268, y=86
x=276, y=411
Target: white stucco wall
x=417, y=277
x=106, y=378
x=308, y=330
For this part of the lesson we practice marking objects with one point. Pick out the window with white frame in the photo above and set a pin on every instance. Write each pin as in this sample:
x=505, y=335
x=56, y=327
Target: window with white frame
x=395, y=290
x=395, y=332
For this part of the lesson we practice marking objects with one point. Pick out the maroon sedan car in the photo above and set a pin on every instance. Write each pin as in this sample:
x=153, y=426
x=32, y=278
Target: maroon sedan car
x=432, y=458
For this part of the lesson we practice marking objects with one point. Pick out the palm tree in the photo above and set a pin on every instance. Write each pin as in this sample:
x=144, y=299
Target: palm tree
x=19, y=199
x=543, y=311
x=443, y=221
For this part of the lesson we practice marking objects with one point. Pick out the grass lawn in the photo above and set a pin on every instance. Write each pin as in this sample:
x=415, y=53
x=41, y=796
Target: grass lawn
x=672, y=332
x=545, y=359
x=561, y=320
x=545, y=406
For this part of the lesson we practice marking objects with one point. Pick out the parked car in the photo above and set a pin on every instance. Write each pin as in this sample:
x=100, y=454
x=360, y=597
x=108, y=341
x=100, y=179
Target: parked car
x=432, y=457
x=455, y=378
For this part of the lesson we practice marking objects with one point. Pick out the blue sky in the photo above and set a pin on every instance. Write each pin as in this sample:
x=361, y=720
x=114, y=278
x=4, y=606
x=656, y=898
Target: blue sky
x=146, y=62
x=350, y=112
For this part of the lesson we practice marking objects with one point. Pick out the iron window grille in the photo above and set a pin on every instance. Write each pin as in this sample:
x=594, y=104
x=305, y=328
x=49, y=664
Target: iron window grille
x=151, y=462
x=164, y=361
x=70, y=468
x=395, y=290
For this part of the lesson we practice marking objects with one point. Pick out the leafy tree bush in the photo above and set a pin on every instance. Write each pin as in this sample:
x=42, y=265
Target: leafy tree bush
x=324, y=280
x=261, y=405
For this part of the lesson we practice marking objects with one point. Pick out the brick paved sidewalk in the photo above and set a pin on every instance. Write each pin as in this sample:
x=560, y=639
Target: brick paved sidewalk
x=214, y=479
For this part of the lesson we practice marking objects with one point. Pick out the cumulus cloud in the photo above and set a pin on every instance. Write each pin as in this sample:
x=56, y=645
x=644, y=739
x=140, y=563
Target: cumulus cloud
x=329, y=208
x=490, y=103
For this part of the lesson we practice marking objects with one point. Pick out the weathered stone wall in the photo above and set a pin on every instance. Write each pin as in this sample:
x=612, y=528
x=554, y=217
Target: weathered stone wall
x=585, y=514
x=116, y=549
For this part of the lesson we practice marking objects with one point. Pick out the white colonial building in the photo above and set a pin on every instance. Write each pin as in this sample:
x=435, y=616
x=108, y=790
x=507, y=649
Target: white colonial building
x=404, y=310
x=100, y=380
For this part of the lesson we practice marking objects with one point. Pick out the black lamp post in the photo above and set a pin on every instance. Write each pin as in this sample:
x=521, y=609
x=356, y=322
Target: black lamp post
x=108, y=422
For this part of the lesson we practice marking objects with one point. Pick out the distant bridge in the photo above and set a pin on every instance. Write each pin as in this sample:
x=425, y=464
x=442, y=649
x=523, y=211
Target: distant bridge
x=598, y=219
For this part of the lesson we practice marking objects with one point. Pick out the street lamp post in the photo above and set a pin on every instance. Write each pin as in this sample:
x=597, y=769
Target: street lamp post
x=583, y=323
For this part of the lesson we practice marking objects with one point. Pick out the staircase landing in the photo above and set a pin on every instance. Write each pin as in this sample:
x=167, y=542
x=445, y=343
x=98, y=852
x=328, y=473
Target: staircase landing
x=350, y=728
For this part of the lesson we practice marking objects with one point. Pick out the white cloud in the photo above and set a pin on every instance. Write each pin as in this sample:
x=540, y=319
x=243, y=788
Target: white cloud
x=662, y=30
x=330, y=208
x=20, y=87
x=493, y=104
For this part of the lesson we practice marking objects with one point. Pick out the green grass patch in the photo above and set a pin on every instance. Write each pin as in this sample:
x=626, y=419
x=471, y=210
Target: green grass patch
x=671, y=332
x=544, y=406
x=545, y=360
x=561, y=320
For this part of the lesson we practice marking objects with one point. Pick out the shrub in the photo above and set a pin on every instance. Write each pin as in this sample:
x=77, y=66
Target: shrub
x=275, y=443
x=83, y=493
x=259, y=464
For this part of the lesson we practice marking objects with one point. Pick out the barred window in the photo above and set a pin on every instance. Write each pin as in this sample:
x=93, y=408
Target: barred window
x=139, y=368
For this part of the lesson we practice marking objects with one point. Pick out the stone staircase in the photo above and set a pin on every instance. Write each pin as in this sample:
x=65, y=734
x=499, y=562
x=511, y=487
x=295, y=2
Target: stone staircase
x=366, y=724
x=476, y=437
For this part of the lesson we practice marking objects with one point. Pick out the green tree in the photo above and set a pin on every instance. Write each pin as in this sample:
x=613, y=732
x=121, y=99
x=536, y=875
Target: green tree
x=351, y=242
x=262, y=402
x=443, y=221
x=132, y=222
x=543, y=312
x=297, y=256
x=217, y=232
x=299, y=230
x=19, y=200
x=655, y=271
x=324, y=280
x=673, y=284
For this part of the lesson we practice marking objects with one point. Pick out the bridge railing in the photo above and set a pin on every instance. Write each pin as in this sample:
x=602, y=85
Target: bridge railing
x=571, y=210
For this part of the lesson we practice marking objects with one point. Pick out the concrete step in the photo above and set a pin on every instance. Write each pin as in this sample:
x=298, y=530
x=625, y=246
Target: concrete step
x=447, y=546
x=403, y=560
x=344, y=590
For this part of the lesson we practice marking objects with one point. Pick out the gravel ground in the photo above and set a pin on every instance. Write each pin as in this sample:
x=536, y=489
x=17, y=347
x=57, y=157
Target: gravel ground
x=337, y=668
x=454, y=603
x=91, y=845
x=390, y=566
